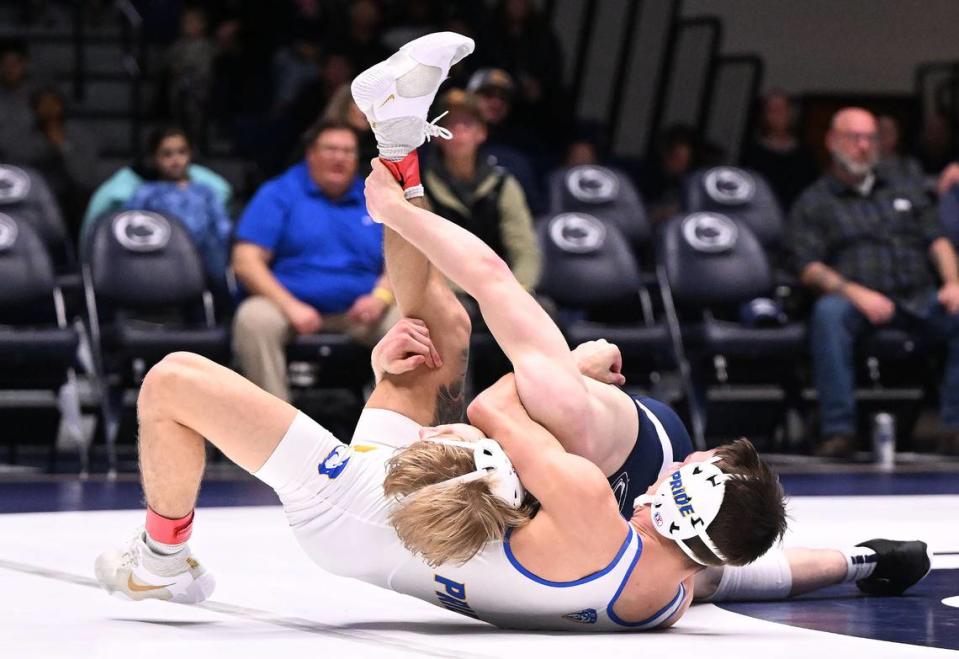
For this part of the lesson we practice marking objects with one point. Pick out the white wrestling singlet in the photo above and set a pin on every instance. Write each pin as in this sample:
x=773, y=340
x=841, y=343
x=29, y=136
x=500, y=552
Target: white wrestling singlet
x=333, y=498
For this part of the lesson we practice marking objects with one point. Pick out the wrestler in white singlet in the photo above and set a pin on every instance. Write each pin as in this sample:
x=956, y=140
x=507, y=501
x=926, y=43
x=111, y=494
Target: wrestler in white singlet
x=333, y=497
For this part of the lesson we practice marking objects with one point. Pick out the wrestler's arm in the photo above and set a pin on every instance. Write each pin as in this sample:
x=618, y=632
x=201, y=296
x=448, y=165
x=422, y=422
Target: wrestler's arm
x=551, y=387
x=567, y=486
x=428, y=396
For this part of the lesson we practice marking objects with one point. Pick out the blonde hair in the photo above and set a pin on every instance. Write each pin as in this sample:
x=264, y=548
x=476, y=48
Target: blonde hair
x=446, y=523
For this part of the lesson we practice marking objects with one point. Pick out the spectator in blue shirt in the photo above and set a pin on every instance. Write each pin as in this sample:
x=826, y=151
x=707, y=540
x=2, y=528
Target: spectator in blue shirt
x=309, y=258
x=195, y=204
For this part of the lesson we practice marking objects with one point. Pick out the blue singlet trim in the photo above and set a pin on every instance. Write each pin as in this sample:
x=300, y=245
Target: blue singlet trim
x=566, y=584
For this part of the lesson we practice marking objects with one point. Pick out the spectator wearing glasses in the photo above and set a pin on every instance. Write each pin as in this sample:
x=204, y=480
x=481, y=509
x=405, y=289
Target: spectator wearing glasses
x=309, y=258
x=508, y=143
x=486, y=199
x=865, y=240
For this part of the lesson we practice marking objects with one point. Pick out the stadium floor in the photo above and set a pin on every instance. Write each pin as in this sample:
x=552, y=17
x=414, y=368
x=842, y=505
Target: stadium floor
x=271, y=600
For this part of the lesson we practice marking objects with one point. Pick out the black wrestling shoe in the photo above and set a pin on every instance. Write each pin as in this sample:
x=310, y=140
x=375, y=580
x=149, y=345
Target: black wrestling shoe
x=900, y=565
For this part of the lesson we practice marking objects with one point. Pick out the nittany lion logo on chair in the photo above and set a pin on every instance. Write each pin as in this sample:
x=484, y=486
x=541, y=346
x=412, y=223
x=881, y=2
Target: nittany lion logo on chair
x=592, y=185
x=14, y=184
x=8, y=232
x=141, y=231
x=729, y=185
x=577, y=233
x=710, y=232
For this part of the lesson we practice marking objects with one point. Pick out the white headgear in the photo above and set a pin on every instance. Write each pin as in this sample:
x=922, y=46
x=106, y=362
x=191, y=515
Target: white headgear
x=687, y=502
x=493, y=464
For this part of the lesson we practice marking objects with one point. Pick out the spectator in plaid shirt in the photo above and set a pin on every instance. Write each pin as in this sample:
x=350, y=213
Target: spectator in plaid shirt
x=865, y=243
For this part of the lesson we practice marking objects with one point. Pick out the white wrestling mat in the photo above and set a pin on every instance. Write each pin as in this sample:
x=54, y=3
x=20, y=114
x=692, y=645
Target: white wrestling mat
x=271, y=602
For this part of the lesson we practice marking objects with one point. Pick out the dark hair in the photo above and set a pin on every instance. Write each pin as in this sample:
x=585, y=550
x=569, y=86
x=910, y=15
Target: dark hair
x=160, y=133
x=752, y=517
x=323, y=124
x=676, y=134
x=46, y=90
x=18, y=46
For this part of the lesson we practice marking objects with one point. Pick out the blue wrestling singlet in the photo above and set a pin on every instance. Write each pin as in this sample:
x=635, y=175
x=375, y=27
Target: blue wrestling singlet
x=651, y=453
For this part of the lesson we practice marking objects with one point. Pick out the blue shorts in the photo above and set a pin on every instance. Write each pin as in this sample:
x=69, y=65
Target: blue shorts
x=651, y=453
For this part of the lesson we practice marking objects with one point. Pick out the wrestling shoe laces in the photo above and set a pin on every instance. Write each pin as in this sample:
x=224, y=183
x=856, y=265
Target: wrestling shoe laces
x=137, y=573
x=432, y=129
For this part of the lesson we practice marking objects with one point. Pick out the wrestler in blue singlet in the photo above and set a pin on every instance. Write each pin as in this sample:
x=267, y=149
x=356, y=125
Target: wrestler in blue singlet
x=645, y=462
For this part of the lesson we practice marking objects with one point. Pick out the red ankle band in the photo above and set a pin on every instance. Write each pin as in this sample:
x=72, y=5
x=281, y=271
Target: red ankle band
x=407, y=172
x=169, y=531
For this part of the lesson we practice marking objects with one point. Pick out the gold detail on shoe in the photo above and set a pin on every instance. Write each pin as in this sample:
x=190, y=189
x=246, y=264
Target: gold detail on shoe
x=192, y=563
x=142, y=588
x=389, y=98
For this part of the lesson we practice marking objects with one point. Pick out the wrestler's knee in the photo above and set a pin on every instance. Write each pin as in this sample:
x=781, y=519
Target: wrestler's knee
x=169, y=378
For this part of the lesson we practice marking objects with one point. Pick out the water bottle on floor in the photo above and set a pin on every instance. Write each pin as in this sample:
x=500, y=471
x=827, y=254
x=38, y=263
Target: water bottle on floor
x=884, y=441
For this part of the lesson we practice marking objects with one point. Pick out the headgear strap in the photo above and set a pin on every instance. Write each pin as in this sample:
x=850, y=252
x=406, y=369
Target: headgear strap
x=491, y=463
x=687, y=502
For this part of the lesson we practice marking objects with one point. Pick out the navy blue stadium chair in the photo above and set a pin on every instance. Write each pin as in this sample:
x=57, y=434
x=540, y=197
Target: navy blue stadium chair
x=592, y=274
x=146, y=296
x=25, y=195
x=37, y=345
x=602, y=192
x=741, y=347
x=740, y=192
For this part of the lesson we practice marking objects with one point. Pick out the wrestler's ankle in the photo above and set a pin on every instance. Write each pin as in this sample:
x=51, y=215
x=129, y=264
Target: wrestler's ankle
x=166, y=535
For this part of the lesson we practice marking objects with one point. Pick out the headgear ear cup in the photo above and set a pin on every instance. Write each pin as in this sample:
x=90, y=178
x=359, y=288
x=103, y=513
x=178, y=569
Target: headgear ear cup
x=491, y=463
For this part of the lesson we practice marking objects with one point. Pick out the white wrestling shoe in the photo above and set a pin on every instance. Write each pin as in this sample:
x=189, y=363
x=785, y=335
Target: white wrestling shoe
x=139, y=573
x=396, y=94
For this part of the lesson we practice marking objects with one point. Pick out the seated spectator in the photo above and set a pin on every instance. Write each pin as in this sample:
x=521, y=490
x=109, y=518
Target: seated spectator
x=415, y=19
x=891, y=158
x=776, y=154
x=15, y=91
x=343, y=109
x=519, y=39
x=949, y=214
x=581, y=152
x=661, y=182
x=114, y=193
x=195, y=204
x=506, y=141
x=189, y=70
x=865, y=241
x=63, y=152
x=484, y=199
x=309, y=258
x=336, y=72
x=294, y=67
x=585, y=145
x=361, y=38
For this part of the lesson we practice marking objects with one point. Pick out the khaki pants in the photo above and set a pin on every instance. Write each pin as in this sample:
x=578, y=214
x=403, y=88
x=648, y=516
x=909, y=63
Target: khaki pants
x=261, y=332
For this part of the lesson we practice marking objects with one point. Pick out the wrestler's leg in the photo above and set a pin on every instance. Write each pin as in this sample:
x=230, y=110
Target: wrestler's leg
x=777, y=575
x=880, y=567
x=186, y=398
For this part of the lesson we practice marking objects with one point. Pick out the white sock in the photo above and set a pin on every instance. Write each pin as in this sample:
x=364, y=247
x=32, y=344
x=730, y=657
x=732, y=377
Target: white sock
x=161, y=548
x=860, y=563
